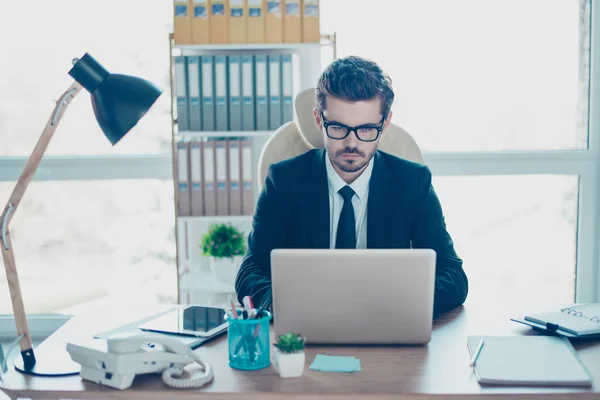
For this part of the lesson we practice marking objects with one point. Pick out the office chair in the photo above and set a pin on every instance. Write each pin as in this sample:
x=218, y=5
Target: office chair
x=297, y=137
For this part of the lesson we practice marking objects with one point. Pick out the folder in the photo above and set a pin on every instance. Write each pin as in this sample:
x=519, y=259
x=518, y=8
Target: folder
x=255, y=27
x=181, y=94
x=222, y=159
x=221, y=94
x=197, y=191
x=219, y=21
x=292, y=22
x=183, y=194
x=248, y=116
x=208, y=103
x=527, y=360
x=247, y=177
x=237, y=21
x=193, y=79
x=274, y=22
x=235, y=96
x=287, y=88
x=260, y=77
x=182, y=23
x=274, y=91
x=311, y=30
x=200, y=22
x=208, y=175
x=235, y=177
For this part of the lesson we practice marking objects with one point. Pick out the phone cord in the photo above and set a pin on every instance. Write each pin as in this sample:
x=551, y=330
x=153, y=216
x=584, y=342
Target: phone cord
x=169, y=375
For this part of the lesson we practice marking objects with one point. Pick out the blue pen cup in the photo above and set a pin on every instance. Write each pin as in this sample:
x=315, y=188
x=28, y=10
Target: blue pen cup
x=249, y=344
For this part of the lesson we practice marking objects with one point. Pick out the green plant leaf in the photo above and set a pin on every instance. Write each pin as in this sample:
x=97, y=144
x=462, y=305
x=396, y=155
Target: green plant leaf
x=223, y=241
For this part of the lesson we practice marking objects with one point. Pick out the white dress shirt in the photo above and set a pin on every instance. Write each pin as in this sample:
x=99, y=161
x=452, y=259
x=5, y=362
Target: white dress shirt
x=359, y=201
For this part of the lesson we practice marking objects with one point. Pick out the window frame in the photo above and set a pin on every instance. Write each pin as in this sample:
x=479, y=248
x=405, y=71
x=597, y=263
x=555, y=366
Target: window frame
x=585, y=163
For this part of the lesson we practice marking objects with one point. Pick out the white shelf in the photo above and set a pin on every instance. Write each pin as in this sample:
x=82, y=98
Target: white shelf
x=201, y=134
x=197, y=49
x=214, y=218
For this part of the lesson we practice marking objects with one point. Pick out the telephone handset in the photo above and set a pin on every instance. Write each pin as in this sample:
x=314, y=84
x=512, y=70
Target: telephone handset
x=126, y=355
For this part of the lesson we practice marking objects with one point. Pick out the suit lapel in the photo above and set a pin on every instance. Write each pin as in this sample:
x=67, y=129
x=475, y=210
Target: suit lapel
x=382, y=194
x=315, y=195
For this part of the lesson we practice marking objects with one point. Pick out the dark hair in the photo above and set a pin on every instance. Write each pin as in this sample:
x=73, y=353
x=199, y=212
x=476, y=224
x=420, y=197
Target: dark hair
x=355, y=78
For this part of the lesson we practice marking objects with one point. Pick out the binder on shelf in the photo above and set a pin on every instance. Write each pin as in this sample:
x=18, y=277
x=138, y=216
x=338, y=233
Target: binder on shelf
x=181, y=94
x=248, y=117
x=311, y=32
x=221, y=93
x=274, y=22
x=183, y=199
x=260, y=77
x=208, y=103
x=219, y=21
x=208, y=175
x=287, y=88
x=200, y=21
x=182, y=22
x=274, y=91
x=222, y=159
x=255, y=26
x=237, y=21
x=292, y=22
x=193, y=79
x=235, y=89
x=235, y=180
x=197, y=191
x=247, y=177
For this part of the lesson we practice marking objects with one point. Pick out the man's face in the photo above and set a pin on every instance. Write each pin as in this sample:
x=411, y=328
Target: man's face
x=351, y=155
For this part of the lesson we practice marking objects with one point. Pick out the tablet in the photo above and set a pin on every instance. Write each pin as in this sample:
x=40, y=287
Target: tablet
x=196, y=321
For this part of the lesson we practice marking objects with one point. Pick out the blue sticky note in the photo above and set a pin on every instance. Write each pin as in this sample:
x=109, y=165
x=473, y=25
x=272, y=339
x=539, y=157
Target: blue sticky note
x=326, y=363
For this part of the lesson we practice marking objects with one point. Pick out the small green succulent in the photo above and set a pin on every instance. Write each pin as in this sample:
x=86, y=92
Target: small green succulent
x=290, y=343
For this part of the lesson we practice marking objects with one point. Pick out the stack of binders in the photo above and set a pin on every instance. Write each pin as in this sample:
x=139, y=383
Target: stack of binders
x=246, y=21
x=215, y=177
x=245, y=92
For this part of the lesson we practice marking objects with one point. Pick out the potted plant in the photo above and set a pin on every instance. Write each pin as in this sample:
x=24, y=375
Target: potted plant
x=289, y=355
x=225, y=245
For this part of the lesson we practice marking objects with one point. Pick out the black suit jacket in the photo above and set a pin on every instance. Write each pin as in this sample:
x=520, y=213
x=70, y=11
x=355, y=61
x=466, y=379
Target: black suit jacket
x=403, y=212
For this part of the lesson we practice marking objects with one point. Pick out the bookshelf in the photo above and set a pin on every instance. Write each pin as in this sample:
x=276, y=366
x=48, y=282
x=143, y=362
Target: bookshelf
x=195, y=282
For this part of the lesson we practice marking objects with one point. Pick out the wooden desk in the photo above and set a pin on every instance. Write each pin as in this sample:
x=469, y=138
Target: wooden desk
x=440, y=369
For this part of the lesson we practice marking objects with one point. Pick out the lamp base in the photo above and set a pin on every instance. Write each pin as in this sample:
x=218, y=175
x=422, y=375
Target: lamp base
x=49, y=362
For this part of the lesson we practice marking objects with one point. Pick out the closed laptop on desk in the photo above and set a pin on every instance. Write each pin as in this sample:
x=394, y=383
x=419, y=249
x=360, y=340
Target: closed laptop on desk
x=355, y=296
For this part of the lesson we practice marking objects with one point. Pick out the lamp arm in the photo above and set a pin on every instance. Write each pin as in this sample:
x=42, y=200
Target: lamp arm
x=13, y=202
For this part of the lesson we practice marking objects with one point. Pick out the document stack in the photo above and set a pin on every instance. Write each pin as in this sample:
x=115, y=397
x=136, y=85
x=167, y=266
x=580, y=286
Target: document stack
x=246, y=21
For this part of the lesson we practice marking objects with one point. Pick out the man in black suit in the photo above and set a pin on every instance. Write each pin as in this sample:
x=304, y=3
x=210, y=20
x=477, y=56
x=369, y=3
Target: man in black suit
x=350, y=194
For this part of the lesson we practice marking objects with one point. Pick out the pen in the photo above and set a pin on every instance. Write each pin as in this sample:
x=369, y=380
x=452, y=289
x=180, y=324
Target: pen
x=477, y=352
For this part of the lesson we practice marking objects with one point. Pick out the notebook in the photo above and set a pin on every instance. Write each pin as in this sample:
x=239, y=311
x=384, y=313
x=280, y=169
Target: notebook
x=575, y=321
x=528, y=361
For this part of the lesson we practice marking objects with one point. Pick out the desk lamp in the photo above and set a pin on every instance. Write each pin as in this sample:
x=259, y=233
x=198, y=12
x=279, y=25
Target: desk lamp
x=119, y=102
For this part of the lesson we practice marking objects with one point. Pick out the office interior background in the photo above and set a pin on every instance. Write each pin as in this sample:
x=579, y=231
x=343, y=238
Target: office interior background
x=498, y=94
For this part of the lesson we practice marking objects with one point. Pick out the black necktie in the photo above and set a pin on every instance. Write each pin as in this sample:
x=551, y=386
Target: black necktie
x=346, y=230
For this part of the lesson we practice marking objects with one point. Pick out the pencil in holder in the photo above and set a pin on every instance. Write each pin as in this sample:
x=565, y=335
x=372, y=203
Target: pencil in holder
x=248, y=342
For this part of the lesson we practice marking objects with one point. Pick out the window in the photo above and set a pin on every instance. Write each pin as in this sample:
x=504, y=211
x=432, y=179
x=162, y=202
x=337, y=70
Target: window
x=84, y=241
x=515, y=231
x=477, y=75
x=37, y=74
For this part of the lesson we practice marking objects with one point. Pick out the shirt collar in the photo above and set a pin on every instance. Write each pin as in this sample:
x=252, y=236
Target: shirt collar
x=360, y=184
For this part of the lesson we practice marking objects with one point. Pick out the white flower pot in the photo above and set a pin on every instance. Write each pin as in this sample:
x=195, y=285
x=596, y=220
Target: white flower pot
x=225, y=269
x=290, y=365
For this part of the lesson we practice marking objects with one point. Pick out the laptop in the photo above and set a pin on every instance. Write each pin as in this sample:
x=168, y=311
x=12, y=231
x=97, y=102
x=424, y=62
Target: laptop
x=354, y=296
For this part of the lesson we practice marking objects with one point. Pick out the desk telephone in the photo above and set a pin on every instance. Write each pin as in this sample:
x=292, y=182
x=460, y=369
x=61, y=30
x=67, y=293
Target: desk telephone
x=117, y=360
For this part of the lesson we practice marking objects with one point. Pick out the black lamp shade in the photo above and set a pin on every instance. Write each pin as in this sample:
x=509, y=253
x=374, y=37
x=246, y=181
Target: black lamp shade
x=119, y=101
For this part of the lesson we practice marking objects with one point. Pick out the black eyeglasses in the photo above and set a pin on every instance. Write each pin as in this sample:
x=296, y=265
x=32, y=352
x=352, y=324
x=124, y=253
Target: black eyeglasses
x=364, y=133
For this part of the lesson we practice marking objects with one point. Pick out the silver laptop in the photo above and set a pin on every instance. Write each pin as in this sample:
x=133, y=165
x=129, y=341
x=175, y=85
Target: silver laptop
x=355, y=296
